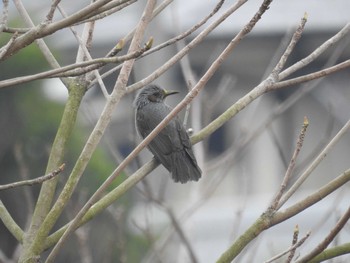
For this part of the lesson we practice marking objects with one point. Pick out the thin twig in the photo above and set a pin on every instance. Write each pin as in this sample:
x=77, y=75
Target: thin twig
x=74, y=69
x=294, y=241
x=106, y=10
x=6, y=47
x=187, y=32
x=295, y=38
x=231, y=153
x=52, y=10
x=31, y=182
x=289, y=250
x=173, y=40
x=188, y=47
x=314, y=164
x=5, y=13
x=328, y=239
x=42, y=30
x=316, y=53
x=24, y=174
x=111, y=5
x=83, y=49
x=315, y=75
x=291, y=165
x=127, y=38
x=91, y=144
x=268, y=219
x=45, y=50
x=313, y=198
x=12, y=30
x=179, y=230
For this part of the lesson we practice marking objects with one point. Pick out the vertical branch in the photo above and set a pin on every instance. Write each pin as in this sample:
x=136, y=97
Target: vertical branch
x=5, y=13
x=118, y=92
x=291, y=165
x=83, y=51
x=314, y=164
x=47, y=191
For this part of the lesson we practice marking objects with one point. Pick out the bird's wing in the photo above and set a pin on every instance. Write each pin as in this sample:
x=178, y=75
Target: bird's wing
x=185, y=141
x=161, y=145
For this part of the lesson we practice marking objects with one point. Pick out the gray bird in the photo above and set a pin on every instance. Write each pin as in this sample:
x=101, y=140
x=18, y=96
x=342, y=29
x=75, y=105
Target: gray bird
x=172, y=146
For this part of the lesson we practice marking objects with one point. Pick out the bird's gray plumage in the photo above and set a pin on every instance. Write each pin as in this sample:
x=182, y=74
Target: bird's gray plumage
x=172, y=146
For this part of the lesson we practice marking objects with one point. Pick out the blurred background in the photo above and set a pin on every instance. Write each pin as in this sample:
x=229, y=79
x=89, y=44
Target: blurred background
x=243, y=162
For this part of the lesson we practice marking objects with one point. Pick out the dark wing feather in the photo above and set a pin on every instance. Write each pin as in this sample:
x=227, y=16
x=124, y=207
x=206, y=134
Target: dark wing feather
x=161, y=145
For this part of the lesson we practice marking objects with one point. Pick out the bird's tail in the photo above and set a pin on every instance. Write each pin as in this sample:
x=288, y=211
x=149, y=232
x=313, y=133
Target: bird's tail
x=184, y=167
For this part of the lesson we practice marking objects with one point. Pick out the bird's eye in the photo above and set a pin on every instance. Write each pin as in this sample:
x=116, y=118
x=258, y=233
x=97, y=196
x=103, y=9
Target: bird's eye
x=152, y=97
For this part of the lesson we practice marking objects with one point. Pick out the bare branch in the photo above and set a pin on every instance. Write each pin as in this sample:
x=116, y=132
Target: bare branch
x=295, y=38
x=311, y=76
x=289, y=250
x=32, y=182
x=316, y=53
x=73, y=69
x=10, y=223
x=312, y=198
x=186, y=33
x=332, y=253
x=173, y=40
x=107, y=200
x=277, y=111
x=43, y=29
x=328, y=239
x=6, y=47
x=295, y=240
x=270, y=218
x=51, y=13
x=118, y=92
x=5, y=13
x=24, y=175
x=12, y=30
x=83, y=51
x=187, y=48
x=106, y=10
x=291, y=165
x=314, y=164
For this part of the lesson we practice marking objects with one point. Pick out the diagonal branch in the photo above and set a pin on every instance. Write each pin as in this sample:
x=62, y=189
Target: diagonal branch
x=10, y=223
x=315, y=75
x=328, y=239
x=270, y=218
x=316, y=53
x=295, y=38
x=331, y=253
x=291, y=249
x=187, y=48
x=32, y=182
x=291, y=165
x=45, y=29
x=74, y=69
x=91, y=144
x=314, y=164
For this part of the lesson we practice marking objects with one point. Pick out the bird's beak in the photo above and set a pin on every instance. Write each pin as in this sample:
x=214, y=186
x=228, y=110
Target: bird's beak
x=169, y=92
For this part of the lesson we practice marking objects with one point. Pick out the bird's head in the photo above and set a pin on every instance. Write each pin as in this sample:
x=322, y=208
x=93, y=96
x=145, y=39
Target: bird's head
x=152, y=94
